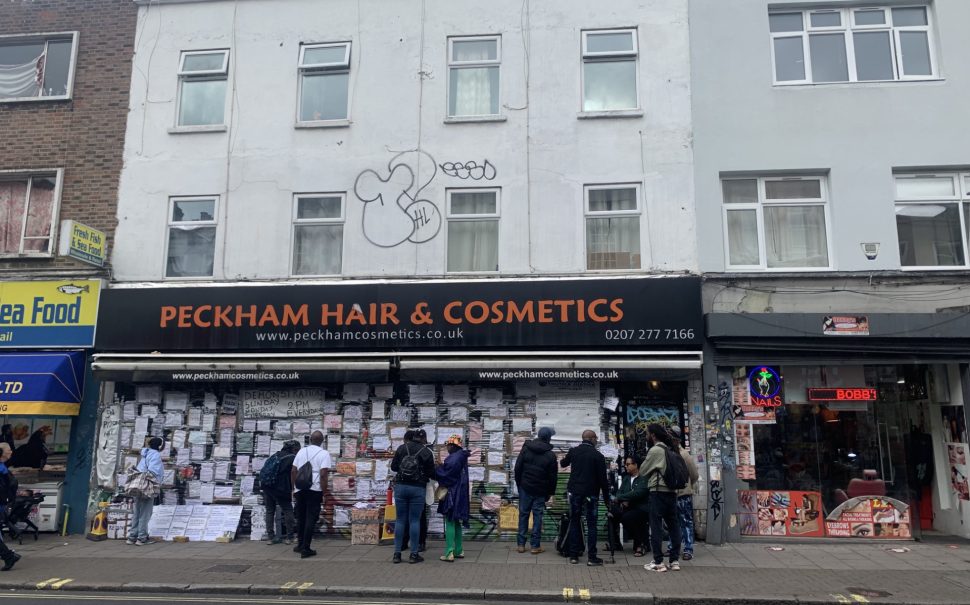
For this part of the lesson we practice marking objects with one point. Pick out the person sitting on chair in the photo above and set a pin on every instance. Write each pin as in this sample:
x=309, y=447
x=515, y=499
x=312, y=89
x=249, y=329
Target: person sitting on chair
x=632, y=508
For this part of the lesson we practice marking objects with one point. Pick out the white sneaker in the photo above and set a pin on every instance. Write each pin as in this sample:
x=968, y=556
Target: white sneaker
x=675, y=566
x=658, y=567
x=130, y=541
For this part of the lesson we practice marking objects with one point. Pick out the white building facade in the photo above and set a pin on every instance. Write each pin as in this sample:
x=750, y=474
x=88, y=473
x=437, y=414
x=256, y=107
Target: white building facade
x=832, y=193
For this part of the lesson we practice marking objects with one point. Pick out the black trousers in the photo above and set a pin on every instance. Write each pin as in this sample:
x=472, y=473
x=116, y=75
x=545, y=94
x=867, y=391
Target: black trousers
x=663, y=509
x=635, y=523
x=308, y=504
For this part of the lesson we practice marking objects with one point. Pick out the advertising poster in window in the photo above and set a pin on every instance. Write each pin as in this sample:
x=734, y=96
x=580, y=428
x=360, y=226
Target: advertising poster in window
x=781, y=513
x=957, y=455
x=744, y=451
x=747, y=408
x=869, y=517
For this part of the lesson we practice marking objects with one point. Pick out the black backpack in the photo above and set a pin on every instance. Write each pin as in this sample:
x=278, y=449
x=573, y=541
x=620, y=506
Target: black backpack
x=8, y=488
x=304, y=476
x=410, y=469
x=675, y=475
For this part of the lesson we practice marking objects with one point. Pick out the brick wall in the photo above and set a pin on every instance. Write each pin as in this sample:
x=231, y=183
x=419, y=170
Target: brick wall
x=84, y=135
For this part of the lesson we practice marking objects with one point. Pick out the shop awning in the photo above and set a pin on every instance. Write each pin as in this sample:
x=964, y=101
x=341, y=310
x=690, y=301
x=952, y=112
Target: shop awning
x=44, y=384
x=552, y=366
x=239, y=368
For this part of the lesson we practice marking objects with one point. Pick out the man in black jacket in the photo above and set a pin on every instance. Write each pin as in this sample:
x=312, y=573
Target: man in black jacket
x=587, y=479
x=536, y=473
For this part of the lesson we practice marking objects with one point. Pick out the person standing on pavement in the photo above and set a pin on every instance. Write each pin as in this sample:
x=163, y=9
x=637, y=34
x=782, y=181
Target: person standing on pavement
x=453, y=475
x=309, y=500
x=277, y=488
x=685, y=497
x=663, y=500
x=8, y=492
x=420, y=436
x=151, y=461
x=536, y=475
x=587, y=479
x=413, y=464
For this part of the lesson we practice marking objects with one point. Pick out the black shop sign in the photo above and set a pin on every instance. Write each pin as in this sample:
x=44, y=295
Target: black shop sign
x=630, y=313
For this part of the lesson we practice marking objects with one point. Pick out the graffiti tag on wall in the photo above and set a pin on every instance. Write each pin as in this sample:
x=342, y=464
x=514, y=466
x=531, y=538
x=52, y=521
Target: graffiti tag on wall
x=394, y=209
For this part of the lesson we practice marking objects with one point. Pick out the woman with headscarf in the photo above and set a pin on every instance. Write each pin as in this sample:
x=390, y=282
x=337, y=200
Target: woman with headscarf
x=32, y=454
x=453, y=475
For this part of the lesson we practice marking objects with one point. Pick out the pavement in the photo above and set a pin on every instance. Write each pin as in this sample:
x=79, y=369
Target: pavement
x=750, y=572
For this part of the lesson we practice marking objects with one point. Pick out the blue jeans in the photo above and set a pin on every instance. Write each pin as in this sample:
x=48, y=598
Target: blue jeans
x=537, y=506
x=409, y=502
x=578, y=505
x=685, y=510
x=139, y=521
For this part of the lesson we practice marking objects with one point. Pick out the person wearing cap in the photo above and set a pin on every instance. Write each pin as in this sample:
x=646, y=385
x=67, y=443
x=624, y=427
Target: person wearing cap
x=453, y=475
x=685, y=497
x=536, y=474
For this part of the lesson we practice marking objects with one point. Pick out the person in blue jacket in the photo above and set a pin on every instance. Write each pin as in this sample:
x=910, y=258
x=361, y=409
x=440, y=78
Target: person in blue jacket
x=151, y=461
x=453, y=474
x=8, y=492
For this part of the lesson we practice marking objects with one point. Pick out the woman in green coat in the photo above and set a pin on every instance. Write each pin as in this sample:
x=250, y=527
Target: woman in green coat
x=632, y=509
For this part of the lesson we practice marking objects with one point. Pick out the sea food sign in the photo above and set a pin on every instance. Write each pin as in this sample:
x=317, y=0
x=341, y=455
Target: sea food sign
x=48, y=313
x=628, y=313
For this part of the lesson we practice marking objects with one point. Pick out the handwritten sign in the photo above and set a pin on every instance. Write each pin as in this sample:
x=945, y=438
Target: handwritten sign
x=282, y=403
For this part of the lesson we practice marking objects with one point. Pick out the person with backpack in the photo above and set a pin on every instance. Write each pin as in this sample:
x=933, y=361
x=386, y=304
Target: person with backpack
x=311, y=465
x=420, y=436
x=150, y=462
x=452, y=475
x=8, y=492
x=414, y=465
x=665, y=472
x=685, y=497
x=536, y=475
x=587, y=479
x=277, y=487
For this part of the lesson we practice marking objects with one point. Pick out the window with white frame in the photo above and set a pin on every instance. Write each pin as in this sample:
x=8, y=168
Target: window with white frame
x=473, y=75
x=324, y=81
x=776, y=222
x=203, y=79
x=933, y=219
x=473, y=216
x=610, y=70
x=854, y=44
x=37, y=66
x=28, y=212
x=192, y=225
x=612, y=227
x=318, y=233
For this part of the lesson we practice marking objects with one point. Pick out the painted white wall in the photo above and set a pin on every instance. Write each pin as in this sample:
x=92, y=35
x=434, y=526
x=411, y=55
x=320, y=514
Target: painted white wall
x=857, y=132
x=543, y=153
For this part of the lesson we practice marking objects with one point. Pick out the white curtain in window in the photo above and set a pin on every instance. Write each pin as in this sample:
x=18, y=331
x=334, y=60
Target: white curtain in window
x=317, y=250
x=13, y=199
x=191, y=251
x=743, y=237
x=613, y=243
x=795, y=236
x=472, y=86
x=18, y=81
x=473, y=245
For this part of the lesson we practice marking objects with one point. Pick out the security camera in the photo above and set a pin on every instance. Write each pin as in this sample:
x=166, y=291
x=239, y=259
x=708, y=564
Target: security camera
x=870, y=249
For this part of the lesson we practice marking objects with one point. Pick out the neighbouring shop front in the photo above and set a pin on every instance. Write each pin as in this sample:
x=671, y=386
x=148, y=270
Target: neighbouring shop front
x=46, y=331
x=839, y=426
x=226, y=374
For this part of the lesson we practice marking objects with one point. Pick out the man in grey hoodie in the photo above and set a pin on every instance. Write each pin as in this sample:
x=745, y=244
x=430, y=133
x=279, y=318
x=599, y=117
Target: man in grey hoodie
x=151, y=461
x=536, y=474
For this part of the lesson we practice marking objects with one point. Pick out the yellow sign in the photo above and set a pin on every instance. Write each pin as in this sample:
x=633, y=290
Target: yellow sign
x=83, y=243
x=48, y=313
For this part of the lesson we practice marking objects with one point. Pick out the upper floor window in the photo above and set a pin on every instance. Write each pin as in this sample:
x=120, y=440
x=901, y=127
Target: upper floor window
x=612, y=227
x=933, y=219
x=28, y=211
x=776, y=222
x=324, y=81
x=203, y=76
x=473, y=76
x=191, y=236
x=318, y=233
x=37, y=66
x=852, y=45
x=473, y=216
x=610, y=70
